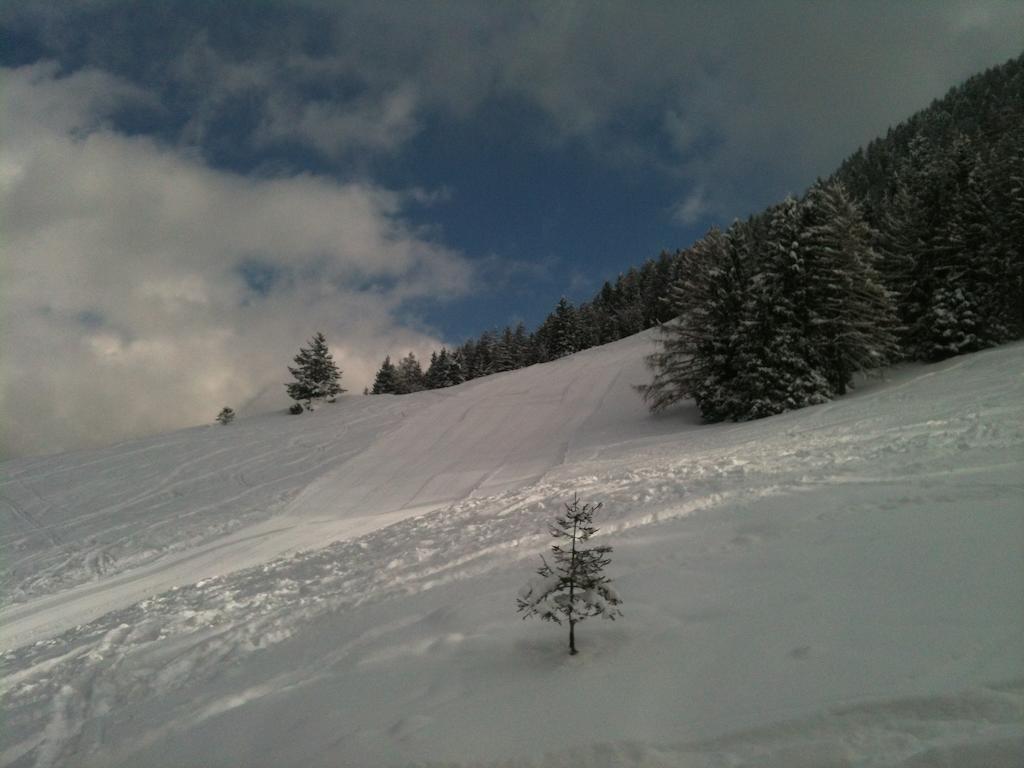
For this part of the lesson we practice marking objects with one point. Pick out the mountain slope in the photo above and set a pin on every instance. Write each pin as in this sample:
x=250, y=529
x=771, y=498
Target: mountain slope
x=120, y=524
x=834, y=586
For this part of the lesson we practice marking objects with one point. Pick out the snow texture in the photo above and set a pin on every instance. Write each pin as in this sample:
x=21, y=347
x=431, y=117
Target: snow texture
x=838, y=586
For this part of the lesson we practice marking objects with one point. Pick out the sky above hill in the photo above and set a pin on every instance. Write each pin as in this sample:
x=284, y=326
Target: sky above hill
x=190, y=190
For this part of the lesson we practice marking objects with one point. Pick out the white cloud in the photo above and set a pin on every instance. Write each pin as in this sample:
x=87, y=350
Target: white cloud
x=751, y=100
x=382, y=123
x=691, y=208
x=126, y=307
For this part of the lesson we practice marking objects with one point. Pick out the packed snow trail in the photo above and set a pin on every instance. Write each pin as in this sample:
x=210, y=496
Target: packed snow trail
x=85, y=516
x=835, y=586
x=489, y=435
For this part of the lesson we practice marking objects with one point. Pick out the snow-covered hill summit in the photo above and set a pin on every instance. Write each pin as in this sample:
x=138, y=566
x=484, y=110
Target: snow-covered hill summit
x=835, y=586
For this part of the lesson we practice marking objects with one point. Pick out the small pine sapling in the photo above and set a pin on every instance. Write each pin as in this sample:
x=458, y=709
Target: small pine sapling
x=226, y=415
x=574, y=586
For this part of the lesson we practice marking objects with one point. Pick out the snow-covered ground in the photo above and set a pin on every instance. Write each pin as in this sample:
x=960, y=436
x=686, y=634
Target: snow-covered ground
x=840, y=586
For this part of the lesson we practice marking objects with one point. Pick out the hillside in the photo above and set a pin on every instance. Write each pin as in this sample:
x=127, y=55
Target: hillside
x=834, y=586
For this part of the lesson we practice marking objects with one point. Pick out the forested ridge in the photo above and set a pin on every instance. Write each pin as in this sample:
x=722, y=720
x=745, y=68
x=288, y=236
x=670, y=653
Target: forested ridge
x=912, y=249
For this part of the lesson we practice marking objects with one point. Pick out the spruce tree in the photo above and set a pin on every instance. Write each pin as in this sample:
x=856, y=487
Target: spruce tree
x=605, y=305
x=629, y=310
x=504, y=352
x=901, y=242
x=1010, y=202
x=850, y=316
x=456, y=368
x=564, y=336
x=316, y=375
x=772, y=358
x=522, y=353
x=433, y=377
x=574, y=587
x=444, y=370
x=409, y=375
x=697, y=349
x=484, y=359
x=386, y=381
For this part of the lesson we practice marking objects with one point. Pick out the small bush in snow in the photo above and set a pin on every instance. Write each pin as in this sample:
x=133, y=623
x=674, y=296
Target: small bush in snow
x=574, y=587
x=296, y=409
x=226, y=415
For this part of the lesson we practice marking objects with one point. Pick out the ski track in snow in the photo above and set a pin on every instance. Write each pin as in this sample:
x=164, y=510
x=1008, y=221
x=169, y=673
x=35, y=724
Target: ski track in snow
x=421, y=494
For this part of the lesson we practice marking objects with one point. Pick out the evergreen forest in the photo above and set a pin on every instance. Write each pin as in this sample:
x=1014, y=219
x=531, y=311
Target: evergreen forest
x=911, y=250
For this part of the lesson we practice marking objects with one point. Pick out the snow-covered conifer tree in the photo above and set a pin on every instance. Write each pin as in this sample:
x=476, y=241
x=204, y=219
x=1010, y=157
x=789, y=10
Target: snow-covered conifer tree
x=850, y=318
x=433, y=377
x=522, y=351
x=386, y=381
x=773, y=360
x=409, y=375
x=574, y=587
x=504, y=352
x=698, y=348
x=316, y=375
x=456, y=368
x=442, y=371
x=483, y=358
x=565, y=330
x=226, y=415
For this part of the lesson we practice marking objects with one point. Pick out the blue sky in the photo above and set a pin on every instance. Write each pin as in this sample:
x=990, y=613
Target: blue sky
x=191, y=189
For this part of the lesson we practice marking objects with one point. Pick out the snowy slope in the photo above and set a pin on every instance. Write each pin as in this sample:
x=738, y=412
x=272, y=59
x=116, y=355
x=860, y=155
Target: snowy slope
x=136, y=519
x=837, y=586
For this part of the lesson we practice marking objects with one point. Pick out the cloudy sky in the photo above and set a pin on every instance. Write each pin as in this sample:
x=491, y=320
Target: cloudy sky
x=189, y=190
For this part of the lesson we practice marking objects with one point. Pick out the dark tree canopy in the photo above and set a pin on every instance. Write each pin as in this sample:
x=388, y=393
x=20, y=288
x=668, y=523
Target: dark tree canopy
x=386, y=382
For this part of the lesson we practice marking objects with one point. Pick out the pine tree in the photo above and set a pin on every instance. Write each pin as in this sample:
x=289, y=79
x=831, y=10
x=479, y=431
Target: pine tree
x=574, y=587
x=773, y=360
x=604, y=305
x=522, y=351
x=504, y=352
x=409, y=375
x=589, y=323
x=696, y=356
x=433, y=377
x=850, y=316
x=484, y=363
x=316, y=375
x=470, y=366
x=386, y=381
x=456, y=368
x=629, y=310
x=226, y=416
x=1010, y=203
x=564, y=338
x=444, y=370
x=901, y=243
